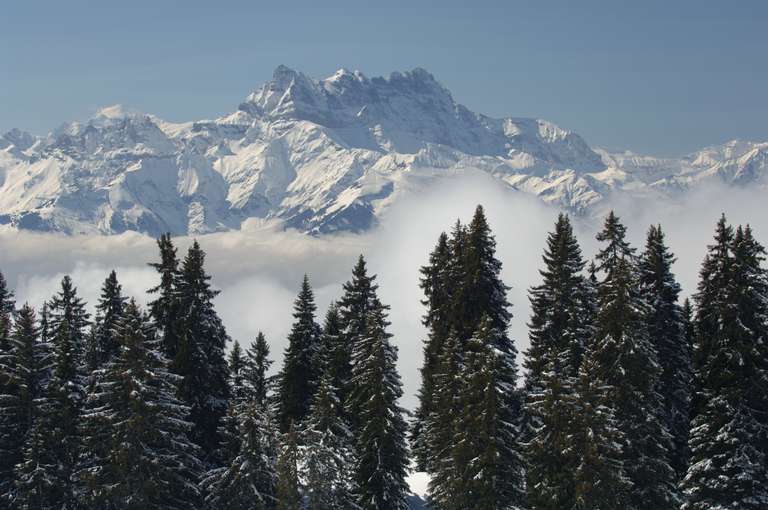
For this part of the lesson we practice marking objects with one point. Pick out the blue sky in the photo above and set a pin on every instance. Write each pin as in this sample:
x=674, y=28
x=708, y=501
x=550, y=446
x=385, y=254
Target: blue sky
x=657, y=77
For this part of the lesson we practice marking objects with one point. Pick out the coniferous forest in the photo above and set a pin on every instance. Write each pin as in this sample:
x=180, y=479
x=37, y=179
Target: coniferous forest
x=629, y=397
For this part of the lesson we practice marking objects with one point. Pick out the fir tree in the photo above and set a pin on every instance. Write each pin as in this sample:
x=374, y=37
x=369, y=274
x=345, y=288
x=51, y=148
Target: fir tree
x=487, y=446
x=7, y=306
x=301, y=363
x=20, y=378
x=288, y=485
x=729, y=433
x=337, y=356
x=627, y=364
x=328, y=454
x=108, y=312
x=666, y=329
x=436, y=284
x=200, y=359
x=165, y=307
x=382, y=456
x=559, y=330
x=137, y=454
x=228, y=430
x=248, y=481
x=255, y=369
x=599, y=478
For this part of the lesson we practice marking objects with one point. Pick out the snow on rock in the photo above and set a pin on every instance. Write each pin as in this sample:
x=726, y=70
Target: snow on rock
x=319, y=156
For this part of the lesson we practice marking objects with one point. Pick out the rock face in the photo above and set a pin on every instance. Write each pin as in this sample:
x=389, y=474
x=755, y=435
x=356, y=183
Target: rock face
x=319, y=156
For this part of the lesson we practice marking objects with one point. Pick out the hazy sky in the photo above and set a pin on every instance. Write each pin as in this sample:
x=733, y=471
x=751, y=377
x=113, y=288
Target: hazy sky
x=657, y=77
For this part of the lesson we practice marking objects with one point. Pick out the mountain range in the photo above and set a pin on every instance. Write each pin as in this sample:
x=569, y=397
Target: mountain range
x=320, y=156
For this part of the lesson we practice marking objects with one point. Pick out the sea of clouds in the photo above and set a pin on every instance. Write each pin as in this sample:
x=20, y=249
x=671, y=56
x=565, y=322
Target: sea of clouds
x=259, y=269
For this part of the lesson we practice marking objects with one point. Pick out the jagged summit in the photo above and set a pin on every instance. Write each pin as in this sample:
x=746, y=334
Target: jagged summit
x=320, y=155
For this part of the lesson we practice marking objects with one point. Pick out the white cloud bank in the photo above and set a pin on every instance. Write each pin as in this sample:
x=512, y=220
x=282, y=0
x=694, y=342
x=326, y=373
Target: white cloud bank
x=259, y=271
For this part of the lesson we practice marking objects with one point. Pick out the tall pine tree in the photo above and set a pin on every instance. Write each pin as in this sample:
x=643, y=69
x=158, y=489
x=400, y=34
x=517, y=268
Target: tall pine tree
x=667, y=332
x=382, y=454
x=301, y=363
x=729, y=433
x=137, y=452
x=200, y=359
x=627, y=364
x=109, y=309
x=165, y=307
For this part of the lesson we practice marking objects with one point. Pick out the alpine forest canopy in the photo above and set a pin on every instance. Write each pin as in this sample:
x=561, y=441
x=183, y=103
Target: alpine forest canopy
x=629, y=397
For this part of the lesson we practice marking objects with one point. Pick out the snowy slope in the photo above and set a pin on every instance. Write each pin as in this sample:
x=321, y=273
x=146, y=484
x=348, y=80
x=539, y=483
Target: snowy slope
x=319, y=156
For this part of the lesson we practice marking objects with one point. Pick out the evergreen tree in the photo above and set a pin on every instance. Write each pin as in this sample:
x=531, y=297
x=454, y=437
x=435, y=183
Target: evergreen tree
x=20, y=378
x=627, y=364
x=109, y=309
x=288, y=485
x=137, y=454
x=255, y=369
x=689, y=327
x=67, y=307
x=729, y=433
x=301, y=363
x=328, y=455
x=667, y=332
x=440, y=427
x=53, y=447
x=236, y=363
x=382, y=456
x=436, y=284
x=229, y=428
x=165, y=307
x=248, y=481
x=337, y=356
x=200, y=359
x=7, y=306
x=559, y=331
x=487, y=446
x=599, y=478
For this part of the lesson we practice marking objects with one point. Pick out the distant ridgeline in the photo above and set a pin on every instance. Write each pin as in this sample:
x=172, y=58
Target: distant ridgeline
x=322, y=156
x=629, y=400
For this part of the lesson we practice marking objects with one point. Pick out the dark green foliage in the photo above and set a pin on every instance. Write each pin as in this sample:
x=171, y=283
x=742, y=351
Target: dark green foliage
x=302, y=362
x=248, y=481
x=21, y=377
x=729, y=433
x=487, y=447
x=255, y=380
x=599, y=478
x=288, y=484
x=109, y=309
x=165, y=307
x=7, y=305
x=626, y=363
x=382, y=455
x=337, y=353
x=666, y=328
x=136, y=450
x=200, y=359
x=328, y=453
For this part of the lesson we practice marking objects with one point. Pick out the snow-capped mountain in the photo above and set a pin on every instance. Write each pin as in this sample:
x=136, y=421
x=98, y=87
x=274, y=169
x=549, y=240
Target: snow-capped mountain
x=320, y=156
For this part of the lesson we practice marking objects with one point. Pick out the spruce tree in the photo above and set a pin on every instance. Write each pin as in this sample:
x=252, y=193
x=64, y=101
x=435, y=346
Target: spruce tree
x=137, y=453
x=248, y=481
x=667, y=332
x=559, y=330
x=288, y=484
x=627, y=364
x=228, y=430
x=255, y=379
x=436, y=285
x=108, y=312
x=382, y=455
x=337, y=356
x=328, y=453
x=7, y=306
x=200, y=359
x=599, y=478
x=165, y=307
x=20, y=379
x=301, y=363
x=487, y=445
x=729, y=433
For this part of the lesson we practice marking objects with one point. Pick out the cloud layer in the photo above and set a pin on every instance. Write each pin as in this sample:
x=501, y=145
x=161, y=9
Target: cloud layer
x=259, y=270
